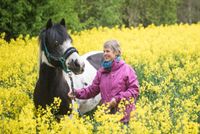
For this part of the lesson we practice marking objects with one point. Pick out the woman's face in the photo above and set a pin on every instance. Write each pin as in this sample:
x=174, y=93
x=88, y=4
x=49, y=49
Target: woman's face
x=108, y=54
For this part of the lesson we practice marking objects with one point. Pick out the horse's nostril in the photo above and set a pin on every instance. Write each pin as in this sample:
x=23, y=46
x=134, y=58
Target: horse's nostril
x=76, y=63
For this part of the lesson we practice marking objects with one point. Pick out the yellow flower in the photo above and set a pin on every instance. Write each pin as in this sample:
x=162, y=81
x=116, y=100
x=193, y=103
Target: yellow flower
x=165, y=58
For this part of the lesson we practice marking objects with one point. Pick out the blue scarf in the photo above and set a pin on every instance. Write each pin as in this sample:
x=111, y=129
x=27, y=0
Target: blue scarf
x=107, y=65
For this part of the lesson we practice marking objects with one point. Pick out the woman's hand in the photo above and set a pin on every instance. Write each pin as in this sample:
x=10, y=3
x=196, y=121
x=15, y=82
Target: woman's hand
x=113, y=103
x=71, y=95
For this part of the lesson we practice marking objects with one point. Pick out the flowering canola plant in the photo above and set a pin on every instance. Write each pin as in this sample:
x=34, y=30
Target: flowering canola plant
x=167, y=63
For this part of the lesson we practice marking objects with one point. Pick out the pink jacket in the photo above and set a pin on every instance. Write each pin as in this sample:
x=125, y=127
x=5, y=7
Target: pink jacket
x=120, y=82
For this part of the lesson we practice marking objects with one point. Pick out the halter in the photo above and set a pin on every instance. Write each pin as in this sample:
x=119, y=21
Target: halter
x=58, y=61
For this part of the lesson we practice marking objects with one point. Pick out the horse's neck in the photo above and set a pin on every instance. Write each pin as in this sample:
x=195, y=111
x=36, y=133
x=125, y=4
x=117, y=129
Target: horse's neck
x=48, y=76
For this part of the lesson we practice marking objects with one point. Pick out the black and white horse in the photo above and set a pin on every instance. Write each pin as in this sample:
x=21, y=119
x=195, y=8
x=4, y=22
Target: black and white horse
x=57, y=59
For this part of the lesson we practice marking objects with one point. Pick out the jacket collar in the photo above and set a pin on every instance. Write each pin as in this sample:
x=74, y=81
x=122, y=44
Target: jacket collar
x=115, y=66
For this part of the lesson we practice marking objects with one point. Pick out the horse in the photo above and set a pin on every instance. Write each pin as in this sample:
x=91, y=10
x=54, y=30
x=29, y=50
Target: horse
x=58, y=60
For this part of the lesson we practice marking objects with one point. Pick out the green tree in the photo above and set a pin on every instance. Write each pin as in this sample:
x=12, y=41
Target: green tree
x=189, y=11
x=109, y=12
x=99, y=13
x=56, y=10
x=15, y=17
x=150, y=11
x=29, y=17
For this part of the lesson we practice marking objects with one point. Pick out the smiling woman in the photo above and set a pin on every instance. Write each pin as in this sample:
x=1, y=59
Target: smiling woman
x=115, y=81
x=111, y=51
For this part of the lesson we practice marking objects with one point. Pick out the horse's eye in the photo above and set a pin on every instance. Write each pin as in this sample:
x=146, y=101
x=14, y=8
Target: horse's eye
x=56, y=44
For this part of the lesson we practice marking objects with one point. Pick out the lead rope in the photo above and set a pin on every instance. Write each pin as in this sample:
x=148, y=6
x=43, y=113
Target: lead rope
x=72, y=84
x=72, y=87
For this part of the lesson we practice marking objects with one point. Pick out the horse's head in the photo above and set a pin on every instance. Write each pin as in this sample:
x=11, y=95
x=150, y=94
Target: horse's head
x=57, y=50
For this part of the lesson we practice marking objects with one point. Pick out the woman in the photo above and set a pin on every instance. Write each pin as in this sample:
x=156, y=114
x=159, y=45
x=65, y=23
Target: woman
x=115, y=80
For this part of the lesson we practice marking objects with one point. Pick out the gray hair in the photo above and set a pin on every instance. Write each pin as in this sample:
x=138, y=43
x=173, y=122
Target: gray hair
x=114, y=45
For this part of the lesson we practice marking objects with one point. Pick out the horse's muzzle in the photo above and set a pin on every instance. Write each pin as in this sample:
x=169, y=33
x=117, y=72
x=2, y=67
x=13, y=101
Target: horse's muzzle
x=76, y=67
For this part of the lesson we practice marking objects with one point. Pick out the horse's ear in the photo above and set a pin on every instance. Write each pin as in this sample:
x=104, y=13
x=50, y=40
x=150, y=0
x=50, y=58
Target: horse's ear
x=62, y=22
x=49, y=24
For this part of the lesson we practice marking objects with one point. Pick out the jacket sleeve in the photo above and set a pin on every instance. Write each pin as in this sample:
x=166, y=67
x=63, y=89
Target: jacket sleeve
x=133, y=87
x=90, y=91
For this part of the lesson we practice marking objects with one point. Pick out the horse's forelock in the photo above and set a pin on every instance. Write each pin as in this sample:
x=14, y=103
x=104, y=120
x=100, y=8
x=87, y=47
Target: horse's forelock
x=57, y=33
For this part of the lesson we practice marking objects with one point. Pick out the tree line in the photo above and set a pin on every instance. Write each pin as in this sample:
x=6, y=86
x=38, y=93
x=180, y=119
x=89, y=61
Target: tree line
x=30, y=16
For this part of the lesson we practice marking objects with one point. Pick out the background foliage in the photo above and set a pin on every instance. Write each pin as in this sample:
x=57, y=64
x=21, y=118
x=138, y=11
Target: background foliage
x=28, y=17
